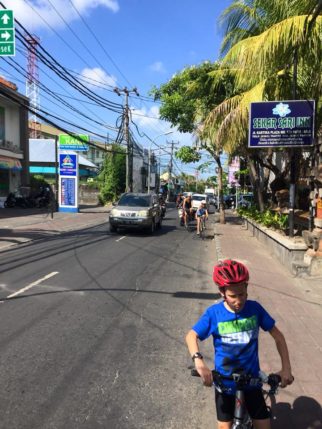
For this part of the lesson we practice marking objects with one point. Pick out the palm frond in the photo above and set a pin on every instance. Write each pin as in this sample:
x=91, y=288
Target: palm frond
x=226, y=126
x=275, y=45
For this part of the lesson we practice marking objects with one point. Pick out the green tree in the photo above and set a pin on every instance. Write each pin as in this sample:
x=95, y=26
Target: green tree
x=188, y=154
x=266, y=45
x=188, y=96
x=113, y=174
x=186, y=100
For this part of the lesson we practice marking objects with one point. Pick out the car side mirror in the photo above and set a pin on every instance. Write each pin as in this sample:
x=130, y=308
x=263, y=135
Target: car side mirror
x=114, y=203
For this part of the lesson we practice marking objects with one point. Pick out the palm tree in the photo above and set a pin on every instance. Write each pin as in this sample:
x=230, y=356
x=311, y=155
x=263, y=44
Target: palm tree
x=263, y=40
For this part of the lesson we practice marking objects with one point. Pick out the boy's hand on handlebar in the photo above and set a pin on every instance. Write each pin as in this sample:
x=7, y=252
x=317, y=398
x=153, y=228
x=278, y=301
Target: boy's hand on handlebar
x=286, y=377
x=205, y=373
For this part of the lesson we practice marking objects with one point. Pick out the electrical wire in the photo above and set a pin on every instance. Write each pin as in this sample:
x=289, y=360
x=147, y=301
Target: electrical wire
x=101, y=84
x=65, y=76
x=75, y=35
x=100, y=44
x=51, y=101
x=55, y=66
x=48, y=91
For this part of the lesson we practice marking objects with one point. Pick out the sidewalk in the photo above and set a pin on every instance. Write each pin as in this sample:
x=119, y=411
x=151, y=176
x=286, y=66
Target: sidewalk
x=296, y=305
x=19, y=226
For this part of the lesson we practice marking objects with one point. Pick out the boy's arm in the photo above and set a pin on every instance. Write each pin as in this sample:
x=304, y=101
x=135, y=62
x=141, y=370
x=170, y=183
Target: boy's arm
x=286, y=371
x=200, y=365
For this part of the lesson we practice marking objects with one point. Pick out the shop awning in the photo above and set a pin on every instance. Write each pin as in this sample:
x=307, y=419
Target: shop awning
x=10, y=163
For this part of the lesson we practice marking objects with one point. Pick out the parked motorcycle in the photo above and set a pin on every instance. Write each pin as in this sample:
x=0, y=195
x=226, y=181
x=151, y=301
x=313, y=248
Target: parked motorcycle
x=43, y=198
x=17, y=200
x=10, y=201
x=29, y=200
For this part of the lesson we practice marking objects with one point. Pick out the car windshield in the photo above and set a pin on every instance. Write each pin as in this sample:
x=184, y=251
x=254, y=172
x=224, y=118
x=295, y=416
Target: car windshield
x=199, y=197
x=247, y=197
x=135, y=201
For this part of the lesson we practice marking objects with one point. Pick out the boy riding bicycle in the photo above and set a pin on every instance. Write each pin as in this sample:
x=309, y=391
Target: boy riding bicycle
x=234, y=324
x=201, y=215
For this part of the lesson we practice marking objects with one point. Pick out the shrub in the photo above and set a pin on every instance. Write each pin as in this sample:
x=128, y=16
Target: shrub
x=268, y=218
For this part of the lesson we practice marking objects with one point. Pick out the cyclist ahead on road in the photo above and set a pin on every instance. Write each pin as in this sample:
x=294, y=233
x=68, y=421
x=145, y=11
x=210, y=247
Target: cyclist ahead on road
x=201, y=215
x=234, y=325
x=179, y=200
x=187, y=208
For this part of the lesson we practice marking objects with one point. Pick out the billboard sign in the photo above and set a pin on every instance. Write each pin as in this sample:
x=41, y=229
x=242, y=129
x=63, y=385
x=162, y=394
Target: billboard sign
x=68, y=191
x=67, y=164
x=281, y=124
x=76, y=143
x=68, y=182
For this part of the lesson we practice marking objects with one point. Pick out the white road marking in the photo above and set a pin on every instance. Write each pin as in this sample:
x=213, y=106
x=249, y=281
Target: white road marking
x=121, y=238
x=37, y=282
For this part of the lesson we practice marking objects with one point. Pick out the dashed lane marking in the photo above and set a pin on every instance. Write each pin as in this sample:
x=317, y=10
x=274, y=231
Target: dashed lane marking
x=121, y=238
x=37, y=282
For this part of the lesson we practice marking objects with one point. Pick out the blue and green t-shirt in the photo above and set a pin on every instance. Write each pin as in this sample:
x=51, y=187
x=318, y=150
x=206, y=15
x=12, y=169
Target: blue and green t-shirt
x=235, y=336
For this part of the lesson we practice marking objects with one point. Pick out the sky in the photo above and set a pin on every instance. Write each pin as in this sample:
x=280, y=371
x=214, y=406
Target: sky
x=115, y=43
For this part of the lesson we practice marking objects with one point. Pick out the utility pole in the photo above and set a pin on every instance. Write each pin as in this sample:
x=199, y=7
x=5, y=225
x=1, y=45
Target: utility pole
x=129, y=146
x=150, y=153
x=170, y=169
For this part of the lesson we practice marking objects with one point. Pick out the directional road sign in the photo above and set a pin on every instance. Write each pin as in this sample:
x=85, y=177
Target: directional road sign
x=7, y=33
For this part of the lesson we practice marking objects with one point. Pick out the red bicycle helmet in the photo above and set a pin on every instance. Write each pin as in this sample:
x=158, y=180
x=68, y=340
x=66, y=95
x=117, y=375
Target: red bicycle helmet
x=230, y=273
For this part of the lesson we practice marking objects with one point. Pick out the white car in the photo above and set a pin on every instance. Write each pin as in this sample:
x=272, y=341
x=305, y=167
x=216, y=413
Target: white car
x=196, y=200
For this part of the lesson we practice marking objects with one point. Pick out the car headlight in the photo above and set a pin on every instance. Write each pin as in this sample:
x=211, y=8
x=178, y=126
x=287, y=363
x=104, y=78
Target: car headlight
x=114, y=212
x=143, y=213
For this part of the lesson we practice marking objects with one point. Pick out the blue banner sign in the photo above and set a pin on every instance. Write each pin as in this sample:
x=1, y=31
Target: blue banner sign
x=281, y=124
x=67, y=164
x=68, y=191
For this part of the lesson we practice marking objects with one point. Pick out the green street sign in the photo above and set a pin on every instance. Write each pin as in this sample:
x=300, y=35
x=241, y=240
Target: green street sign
x=77, y=143
x=6, y=18
x=7, y=36
x=7, y=33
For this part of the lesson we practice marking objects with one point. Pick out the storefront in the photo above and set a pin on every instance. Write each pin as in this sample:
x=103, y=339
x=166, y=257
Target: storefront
x=9, y=174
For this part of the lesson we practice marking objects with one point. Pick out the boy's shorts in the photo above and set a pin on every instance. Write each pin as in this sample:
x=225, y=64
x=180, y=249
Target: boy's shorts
x=255, y=404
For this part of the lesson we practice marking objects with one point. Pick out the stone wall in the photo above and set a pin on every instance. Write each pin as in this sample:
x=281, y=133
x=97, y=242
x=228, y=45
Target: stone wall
x=88, y=195
x=288, y=251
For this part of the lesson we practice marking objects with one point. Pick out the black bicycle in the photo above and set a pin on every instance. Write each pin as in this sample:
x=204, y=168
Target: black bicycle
x=242, y=419
x=202, y=227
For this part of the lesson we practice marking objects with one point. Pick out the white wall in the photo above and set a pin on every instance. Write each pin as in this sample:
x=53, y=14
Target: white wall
x=12, y=125
x=137, y=177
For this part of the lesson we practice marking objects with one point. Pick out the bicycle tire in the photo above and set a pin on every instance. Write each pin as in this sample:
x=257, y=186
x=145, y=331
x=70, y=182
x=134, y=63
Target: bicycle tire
x=201, y=229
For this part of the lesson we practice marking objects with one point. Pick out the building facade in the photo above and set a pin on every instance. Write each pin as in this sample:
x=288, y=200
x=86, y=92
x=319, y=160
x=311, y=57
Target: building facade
x=14, y=153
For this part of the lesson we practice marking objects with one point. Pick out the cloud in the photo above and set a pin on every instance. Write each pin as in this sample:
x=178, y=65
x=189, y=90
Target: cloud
x=84, y=4
x=40, y=12
x=146, y=117
x=158, y=67
x=96, y=77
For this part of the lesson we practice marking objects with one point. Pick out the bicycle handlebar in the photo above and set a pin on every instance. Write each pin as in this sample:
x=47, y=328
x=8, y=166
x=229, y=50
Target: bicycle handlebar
x=242, y=379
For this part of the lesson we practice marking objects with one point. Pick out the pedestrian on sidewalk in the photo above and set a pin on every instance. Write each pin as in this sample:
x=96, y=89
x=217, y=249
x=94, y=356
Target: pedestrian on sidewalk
x=234, y=324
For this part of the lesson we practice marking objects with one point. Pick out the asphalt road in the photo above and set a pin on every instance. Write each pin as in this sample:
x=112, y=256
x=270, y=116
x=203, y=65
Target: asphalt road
x=92, y=330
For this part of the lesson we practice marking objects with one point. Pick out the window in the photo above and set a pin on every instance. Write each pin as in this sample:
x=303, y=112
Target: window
x=135, y=201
